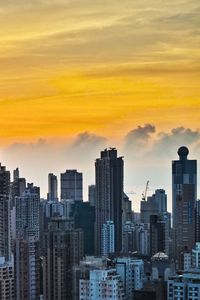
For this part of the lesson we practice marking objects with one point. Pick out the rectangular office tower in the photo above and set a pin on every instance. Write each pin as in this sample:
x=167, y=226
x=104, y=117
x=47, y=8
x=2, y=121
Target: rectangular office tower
x=72, y=185
x=52, y=188
x=184, y=189
x=109, y=193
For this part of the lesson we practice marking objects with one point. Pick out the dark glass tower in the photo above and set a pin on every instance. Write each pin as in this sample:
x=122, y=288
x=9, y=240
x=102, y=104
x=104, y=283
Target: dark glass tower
x=184, y=197
x=52, y=187
x=72, y=185
x=109, y=193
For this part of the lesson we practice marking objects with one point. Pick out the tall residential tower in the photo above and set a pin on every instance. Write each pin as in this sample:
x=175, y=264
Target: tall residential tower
x=184, y=197
x=109, y=193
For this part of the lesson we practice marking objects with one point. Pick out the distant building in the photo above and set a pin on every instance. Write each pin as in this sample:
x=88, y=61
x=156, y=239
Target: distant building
x=128, y=238
x=192, y=259
x=108, y=238
x=27, y=267
x=156, y=204
x=26, y=246
x=142, y=238
x=82, y=271
x=160, y=233
x=92, y=194
x=27, y=211
x=131, y=272
x=5, y=234
x=7, y=289
x=83, y=215
x=184, y=178
x=127, y=209
x=63, y=249
x=184, y=287
x=4, y=181
x=18, y=186
x=162, y=267
x=196, y=256
x=102, y=284
x=72, y=185
x=52, y=187
x=109, y=193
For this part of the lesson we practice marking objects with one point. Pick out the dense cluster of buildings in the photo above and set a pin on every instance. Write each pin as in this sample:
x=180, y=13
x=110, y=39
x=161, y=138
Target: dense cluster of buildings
x=64, y=248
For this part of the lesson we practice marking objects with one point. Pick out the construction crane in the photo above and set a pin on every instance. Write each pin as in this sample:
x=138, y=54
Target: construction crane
x=144, y=195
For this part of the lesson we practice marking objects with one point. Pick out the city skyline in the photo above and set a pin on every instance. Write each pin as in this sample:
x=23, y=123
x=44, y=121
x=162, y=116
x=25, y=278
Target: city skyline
x=157, y=171
x=80, y=76
x=99, y=150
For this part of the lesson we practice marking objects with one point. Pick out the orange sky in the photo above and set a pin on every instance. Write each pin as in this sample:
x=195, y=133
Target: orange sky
x=98, y=66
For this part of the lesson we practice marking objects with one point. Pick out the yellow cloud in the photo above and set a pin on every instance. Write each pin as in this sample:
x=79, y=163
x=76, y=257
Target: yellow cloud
x=102, y=66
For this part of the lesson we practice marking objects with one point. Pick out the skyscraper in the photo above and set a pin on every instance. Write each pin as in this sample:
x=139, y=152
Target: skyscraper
x=154, y=205
x=4, y=181
x=27, y=260
x=184, y=196
x=92, y=194
x=5, y=246
x=72, y=185
x=7, y=291
x=52, y=187
x=63, y=249
x=109, y=193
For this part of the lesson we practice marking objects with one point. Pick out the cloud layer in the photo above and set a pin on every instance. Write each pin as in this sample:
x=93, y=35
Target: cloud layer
x=147, y=154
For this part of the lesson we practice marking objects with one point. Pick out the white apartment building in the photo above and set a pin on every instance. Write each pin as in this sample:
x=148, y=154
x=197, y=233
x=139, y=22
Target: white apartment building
x=102, y=284
x=108, y=238
x=184, y=287
x=7, y=290
x=131, y=272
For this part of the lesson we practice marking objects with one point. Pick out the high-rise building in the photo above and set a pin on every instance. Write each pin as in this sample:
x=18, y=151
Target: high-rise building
x=185, y=286
x=108, y=238
x=157, y=235
x=27, y=212
x=5, y=238
x=15, y=174
x=128, y=237
x=127, y=209
x=83, y=215
x=4, y=181
x=160, y=233
x=184, y=197
x=102, y=284
x=63, y=249
x=18, y=186
x=155, y=204
x=92, y=194
x=7, y=290
x=52, y=187
x=131, y=272
x=26, y=246
x=27, y=267
x=196, y=256
x=142, y=238
x=82, y=271
x=109, y=193
x=72, y=185
x=197, y=238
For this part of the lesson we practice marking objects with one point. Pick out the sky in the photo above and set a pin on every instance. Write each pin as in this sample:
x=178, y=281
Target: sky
x=81, y=75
